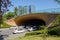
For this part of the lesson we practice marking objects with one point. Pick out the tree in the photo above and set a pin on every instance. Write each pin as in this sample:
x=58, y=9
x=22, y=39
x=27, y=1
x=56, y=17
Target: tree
x=4, y=4
x=9, y=15
x=16, y=11
x=58, y=1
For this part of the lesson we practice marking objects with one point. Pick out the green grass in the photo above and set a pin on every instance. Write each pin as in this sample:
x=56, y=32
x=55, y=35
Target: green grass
x=36, y=38
x=4, y=25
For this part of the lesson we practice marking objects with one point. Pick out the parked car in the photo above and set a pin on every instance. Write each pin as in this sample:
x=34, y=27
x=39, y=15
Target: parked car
x=18, y=30
x=35, y=27
x=30, y=29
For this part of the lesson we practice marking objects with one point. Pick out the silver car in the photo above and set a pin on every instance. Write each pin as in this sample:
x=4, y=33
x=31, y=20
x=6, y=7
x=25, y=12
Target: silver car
x=18, y=30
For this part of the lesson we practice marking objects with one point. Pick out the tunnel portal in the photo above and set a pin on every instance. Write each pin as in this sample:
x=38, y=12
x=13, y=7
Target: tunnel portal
x=33, y=19
x=33, y=22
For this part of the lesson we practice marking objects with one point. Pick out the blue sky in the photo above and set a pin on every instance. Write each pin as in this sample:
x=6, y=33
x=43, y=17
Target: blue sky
x=39, y=4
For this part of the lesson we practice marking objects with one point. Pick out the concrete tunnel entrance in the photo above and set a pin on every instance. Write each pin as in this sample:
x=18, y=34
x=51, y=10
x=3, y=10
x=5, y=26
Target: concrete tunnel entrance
x=34, y=23
x=34, y=19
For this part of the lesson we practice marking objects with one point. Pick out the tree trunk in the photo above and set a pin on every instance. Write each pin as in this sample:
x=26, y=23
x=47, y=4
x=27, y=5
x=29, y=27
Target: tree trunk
x=0, y=20
x=0, y=12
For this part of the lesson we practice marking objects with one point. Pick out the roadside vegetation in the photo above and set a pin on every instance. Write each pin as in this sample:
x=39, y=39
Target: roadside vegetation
x=5, y=17
x=4, y=25
x=35, y=37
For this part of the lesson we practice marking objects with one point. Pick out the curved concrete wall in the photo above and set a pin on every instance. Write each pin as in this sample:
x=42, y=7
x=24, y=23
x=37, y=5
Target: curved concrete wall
x=19, y=19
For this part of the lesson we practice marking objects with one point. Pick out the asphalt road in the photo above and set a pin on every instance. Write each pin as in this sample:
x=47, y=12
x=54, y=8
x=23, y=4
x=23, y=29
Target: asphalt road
x=7, y=33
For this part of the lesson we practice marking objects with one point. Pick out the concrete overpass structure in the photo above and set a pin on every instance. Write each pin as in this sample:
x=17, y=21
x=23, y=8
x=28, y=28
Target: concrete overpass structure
x=35, y=19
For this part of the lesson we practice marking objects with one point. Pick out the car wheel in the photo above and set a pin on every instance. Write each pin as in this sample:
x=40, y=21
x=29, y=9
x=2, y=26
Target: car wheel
x=14, y=33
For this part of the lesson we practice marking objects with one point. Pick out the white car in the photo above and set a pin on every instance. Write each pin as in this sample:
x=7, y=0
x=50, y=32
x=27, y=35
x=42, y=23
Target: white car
x=18, y=31
x=30, y=29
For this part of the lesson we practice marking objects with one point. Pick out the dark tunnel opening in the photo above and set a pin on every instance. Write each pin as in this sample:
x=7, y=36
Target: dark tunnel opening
x=34, y=23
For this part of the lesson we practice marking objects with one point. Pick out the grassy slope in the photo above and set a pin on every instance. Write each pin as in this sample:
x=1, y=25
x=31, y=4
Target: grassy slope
x=36, y=38
x=4, y=25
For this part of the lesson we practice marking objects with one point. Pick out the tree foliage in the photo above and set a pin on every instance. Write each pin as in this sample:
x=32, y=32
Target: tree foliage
x=9, y=15
x=58, y=1
x=4, y=4
x=55, y=30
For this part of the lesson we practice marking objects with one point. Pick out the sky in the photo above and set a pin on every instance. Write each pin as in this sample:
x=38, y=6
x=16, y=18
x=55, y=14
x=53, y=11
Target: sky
x=39, y=4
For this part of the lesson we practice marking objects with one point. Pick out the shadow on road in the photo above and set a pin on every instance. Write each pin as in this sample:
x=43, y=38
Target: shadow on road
x=3, y=36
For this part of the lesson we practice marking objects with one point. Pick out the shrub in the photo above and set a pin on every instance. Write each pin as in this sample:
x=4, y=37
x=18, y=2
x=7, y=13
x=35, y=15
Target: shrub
x=36, y=32
x=54, y=31
x=33, y=33
x=41, y=27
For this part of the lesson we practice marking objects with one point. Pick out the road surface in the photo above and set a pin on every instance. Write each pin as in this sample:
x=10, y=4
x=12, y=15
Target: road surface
x=7, y=33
